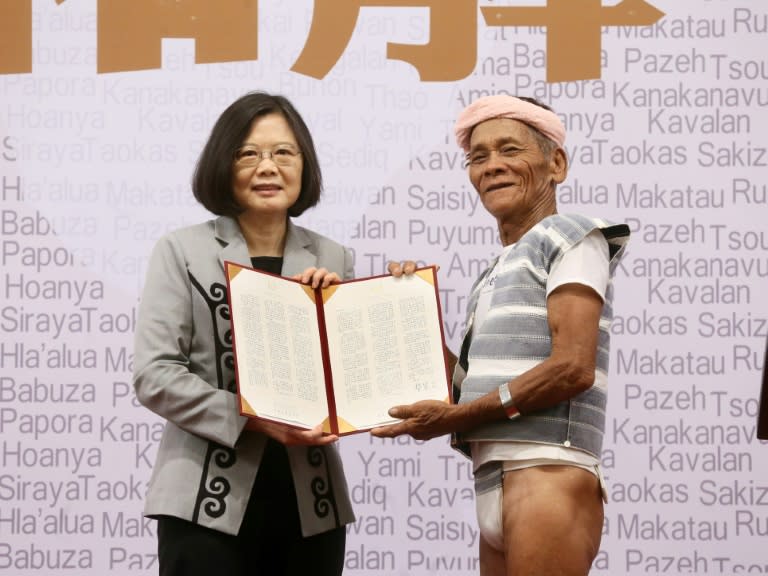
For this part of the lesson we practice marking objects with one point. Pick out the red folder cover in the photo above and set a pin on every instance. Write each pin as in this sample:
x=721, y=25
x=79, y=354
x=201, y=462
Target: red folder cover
x=339, y=356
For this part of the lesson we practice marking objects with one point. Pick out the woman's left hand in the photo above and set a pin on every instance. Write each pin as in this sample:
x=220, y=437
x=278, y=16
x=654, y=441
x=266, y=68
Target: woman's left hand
x=317, y=277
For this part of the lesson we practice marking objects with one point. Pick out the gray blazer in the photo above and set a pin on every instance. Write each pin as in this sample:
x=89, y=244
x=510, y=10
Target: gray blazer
x=184, y=371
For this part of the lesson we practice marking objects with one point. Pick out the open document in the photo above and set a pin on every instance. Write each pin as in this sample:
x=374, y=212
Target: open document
x=340, y=356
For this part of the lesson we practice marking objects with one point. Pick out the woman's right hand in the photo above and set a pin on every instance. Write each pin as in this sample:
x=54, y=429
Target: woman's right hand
x=290, y=436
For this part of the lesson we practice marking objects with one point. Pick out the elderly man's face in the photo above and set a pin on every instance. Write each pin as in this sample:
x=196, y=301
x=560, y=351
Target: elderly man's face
x=510, y=172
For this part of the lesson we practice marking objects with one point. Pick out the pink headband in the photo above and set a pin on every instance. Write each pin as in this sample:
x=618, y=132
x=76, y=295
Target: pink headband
x=503, y=106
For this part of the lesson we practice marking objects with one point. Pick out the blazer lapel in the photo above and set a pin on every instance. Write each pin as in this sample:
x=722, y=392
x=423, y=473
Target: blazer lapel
x=234, y=247
x=297, y=257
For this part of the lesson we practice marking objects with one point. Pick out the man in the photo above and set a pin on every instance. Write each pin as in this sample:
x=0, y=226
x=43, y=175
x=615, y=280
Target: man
x=530, y=385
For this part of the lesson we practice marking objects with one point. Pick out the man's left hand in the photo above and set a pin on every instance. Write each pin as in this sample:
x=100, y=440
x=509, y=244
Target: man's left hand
x=422, y=420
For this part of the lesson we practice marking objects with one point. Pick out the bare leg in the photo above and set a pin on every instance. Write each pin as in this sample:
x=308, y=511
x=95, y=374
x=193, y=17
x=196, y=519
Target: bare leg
x=491, y=560
x=553, y=520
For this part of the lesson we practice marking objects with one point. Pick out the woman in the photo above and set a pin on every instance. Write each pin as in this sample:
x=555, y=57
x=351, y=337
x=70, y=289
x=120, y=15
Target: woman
x=234, y=495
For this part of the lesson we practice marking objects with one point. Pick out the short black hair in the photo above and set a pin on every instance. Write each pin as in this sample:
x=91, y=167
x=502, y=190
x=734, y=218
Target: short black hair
x=212, y=180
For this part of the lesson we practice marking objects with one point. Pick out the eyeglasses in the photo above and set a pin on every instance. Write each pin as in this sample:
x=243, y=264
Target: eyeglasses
x=249, y=156
x=477, y=158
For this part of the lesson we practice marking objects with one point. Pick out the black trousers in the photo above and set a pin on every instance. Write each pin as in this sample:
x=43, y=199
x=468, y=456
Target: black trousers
x=269, y=542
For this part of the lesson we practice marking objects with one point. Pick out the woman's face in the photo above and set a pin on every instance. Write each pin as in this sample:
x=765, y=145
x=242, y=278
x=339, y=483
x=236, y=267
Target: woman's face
x=267, y=167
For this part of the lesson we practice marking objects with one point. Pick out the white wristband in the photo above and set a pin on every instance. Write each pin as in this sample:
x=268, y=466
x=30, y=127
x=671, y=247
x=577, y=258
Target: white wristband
x=507, y=403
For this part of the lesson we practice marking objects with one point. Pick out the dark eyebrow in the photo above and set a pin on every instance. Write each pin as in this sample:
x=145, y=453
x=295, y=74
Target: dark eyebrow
x=254, y=145
x=497, y=143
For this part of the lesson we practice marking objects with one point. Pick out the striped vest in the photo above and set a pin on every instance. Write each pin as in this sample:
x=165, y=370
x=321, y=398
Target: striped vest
x=516, y=328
